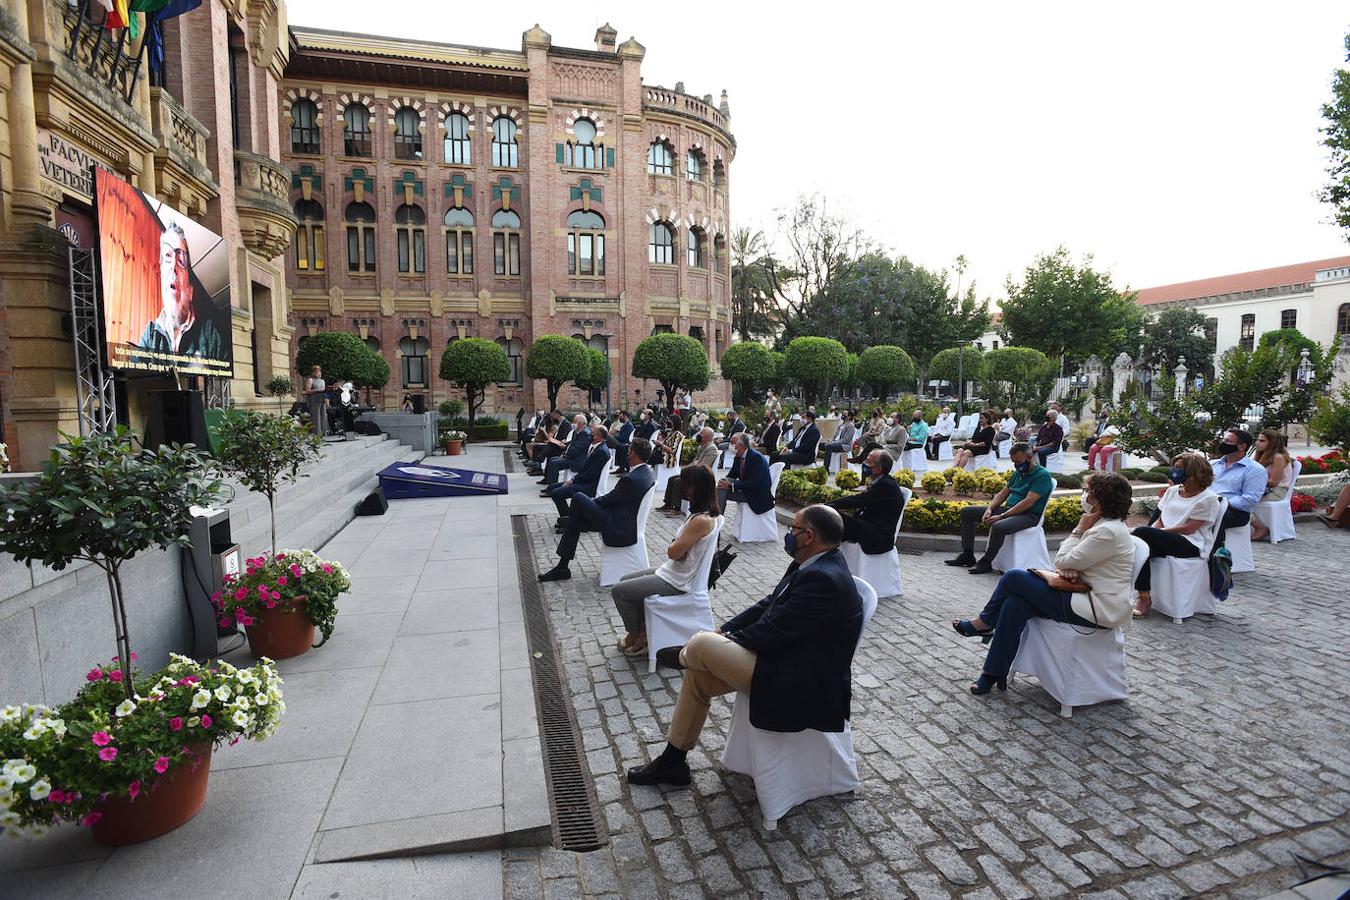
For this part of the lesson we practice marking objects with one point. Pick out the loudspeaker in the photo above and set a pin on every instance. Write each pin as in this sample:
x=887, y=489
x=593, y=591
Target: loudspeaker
x=369, y=429
x=373, y=505
x=177, y=417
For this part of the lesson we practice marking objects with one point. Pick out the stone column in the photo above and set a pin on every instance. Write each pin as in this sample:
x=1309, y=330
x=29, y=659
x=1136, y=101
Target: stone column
x=28, y=205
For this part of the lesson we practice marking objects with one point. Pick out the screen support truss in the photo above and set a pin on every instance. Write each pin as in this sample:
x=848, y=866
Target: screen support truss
x=217, y=392
x=93, y=384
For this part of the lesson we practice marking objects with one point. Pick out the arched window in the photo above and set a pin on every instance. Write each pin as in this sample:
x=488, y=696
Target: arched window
x=661, y=244
x=719, y=253
x=411, y=233
x=356, y=130
x=660, y=159
x=513, y=348
x=413, y=360
x=309, y=236
x=304, y=126
x=505, y=242
x=504, y=147
x=698, y=251
x=360, y=219
x=458, y=241
x=582, y=153
x=1343, y=319
x=407, y=133
x=693, y=165
x=457, y=146
x=586, y=243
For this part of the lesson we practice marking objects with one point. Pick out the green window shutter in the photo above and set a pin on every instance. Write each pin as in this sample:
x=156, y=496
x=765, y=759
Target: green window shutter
x=609, y=157
x=558, y=153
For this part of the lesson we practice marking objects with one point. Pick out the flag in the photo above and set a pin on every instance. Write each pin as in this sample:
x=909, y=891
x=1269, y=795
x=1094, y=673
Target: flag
x=174, y=8
x=154, y=36
x=118, y=16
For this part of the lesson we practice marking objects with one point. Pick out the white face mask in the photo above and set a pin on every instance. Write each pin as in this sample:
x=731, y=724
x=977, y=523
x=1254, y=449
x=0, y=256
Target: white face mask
x=1083, y=500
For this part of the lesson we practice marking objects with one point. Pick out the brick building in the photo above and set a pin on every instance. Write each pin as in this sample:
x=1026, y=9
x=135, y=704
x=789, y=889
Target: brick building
x=446, y=191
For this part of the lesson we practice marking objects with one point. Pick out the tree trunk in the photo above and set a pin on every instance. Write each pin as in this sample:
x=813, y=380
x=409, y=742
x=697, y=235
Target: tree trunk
x=470, y=395
x=120, y=626
x=552, y=387
x=272, y=513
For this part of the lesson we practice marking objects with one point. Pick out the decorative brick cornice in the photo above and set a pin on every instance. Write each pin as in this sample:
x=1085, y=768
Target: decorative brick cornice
x=304, y=93
x=509, y=111
x=455, y=106
x=586, y=113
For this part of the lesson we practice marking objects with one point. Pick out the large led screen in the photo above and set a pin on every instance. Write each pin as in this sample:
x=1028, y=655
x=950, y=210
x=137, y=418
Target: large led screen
x=166, y=285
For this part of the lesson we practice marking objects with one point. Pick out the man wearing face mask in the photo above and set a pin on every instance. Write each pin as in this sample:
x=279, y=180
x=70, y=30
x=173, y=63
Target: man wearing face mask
x=1238, y=478
x=790, y=653
x=1050, y=439
x=918, y=431
x=1016, y=507
x=878, y=507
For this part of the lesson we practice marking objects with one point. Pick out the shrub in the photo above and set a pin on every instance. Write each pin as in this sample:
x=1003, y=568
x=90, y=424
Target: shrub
x=965, y=483
x=949, y=473
x=675, y=360
x=903, y=477
x=747, y=363
x=341, y=355
x=991, y=482
x=1069, y=481
x=1321, y=465
x=817, y=475
x=1132, y=473
x=555, y=360
x=1152, y=477
x=884, y=366
x=847, y=479
x=1331, y=423
x=1327, y=492
x=815, y=362
x=451, y=408
x=1303, y=503
x=1144, y=506
x=933, y=482
x=934, y=516
x=1062, y=514
x=472, y=364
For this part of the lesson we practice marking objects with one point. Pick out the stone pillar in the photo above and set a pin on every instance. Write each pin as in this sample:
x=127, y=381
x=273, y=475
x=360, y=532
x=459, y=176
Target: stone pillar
x=1179, y=373
x=1122, y=369
x=28, y=205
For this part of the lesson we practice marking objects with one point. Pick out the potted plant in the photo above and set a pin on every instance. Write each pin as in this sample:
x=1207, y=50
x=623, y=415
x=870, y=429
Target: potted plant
x=280, y=601
x=265, y=452
x=129, y=768
x=453, y=441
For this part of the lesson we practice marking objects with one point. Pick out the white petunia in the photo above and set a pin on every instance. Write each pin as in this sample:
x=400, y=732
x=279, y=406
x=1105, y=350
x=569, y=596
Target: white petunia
x=194, y=721
x=200, y=699
x=223, y=693
x=34, y=732
x=8, y=818
x=25, y=772
x=40, y=789
x=260, y=699
x=125, y=708
x=9, y=714
x=246, y=677
x=240, y=718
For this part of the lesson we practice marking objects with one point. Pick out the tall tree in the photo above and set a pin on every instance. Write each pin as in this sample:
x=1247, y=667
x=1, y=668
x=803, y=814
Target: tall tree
x=675, y=360
x=556, y=360
x=819, y=245
x=1176, y=332
x=1336, y=139
x=964, y=364
x=753, y=311
x=747, y=363
x=1067, y=312
x=472, y=364
x=816, y=363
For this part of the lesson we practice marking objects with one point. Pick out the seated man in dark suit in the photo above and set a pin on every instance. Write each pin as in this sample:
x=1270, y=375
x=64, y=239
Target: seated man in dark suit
x=790, y=652
x=614, y=515
x=749, y=480
x=733, y=425
x=587, y=479
x=578, y=445
x=554, y=446
x=620, y=439
x=769, y=437
x=802, y=450
x=878, y=507
x=526, y=434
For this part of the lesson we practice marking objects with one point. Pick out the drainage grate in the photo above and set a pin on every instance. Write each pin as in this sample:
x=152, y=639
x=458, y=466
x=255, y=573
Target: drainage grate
x=577, y=823
x=508, y=459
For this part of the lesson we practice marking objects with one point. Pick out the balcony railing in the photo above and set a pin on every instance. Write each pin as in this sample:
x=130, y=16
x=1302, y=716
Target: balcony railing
x=175, y=128
x=664, y=98
x=262, y=199
x=97, y=50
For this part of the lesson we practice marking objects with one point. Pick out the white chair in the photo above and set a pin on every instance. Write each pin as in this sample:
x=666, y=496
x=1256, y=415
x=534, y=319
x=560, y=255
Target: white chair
x=881, y=570
x=965, y=427
x=790, y=768
x=1278, y=515
x=984, y=460
x=672, y=621
x=1180, y=587
x=606, y=482
x=753, y=527
x=664, y=472
x=1239, y=544
x=914, y=460
x=1055, y=461
x=999, y=442
x=616, y=562
x=1025, y=549
x=1077, y=667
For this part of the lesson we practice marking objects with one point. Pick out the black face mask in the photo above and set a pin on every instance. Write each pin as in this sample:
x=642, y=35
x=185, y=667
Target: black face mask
x=1227, y=447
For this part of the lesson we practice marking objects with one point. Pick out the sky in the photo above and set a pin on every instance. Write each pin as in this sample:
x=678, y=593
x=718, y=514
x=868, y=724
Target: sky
x=1171, y=141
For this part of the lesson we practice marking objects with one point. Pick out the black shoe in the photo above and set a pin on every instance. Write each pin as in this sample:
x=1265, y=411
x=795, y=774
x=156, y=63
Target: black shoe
x=557, y=573
x=965, y=559
x=670, y=657
x=988, y=683
x=656, y=772
x=981, y=568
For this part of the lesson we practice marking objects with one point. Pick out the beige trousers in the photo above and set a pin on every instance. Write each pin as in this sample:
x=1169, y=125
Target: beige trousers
x=714, y=665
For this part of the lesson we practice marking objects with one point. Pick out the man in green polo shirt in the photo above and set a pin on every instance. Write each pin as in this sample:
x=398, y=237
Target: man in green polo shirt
x=1017, y=506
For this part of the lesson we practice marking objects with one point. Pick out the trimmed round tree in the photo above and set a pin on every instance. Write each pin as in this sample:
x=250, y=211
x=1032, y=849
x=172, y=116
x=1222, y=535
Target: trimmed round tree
x=675, y=360
x=597, y=374
x=342, y=356
x=471, y=365
x=555, y=360
x=747, y=364
x=965, y=364
x=884, y=367
x=815, y=363
x=1022, y=368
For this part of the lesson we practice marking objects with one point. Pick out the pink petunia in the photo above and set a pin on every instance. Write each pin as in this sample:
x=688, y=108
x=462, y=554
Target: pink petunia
x=176, y=723
x=240, y=615
x=108, y=754
x=215, y=598
x=133, y=655
x=262, y=589
x=134, y=789
x=295, y=569
x=162, y=765
x=115, y=675
x=281, y=581
x=191, y=679
x=276, y=595
x=244, y=619
x=92, y=819
x=94, y=674
x=56, y=797
x=327, y=569
x=224, y=623
x=271, y=604
x=101, y=738
x=281, y=556
x=241, y=593
x=206, y=721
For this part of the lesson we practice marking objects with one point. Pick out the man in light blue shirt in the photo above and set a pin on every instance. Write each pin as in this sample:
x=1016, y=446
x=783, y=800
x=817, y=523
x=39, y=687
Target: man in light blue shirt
x=918, y=431
x=1238, y=478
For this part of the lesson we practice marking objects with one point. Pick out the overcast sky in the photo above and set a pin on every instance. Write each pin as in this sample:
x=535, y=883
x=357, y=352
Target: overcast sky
x=1172, y=141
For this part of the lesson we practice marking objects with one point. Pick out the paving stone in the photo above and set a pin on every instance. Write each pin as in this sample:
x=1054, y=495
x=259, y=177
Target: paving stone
x=1202, y=876
x=950, y=864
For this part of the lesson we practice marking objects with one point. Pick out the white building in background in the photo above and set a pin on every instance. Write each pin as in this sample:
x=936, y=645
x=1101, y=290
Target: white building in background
x=1313, y=297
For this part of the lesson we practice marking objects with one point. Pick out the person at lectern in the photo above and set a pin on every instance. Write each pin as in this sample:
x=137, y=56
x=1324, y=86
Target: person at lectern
x=181, y=328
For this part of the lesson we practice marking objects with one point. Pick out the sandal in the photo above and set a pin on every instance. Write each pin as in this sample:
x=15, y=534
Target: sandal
x=1142, y=606
x=638, y=648
x=964, y=628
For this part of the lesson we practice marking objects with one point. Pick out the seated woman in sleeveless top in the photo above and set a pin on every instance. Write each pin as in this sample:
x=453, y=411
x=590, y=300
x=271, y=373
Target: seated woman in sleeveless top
x=1270, y=452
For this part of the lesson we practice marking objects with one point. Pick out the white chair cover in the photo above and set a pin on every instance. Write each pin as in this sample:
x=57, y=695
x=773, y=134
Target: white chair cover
x=1025, y=549
x=1055, y=461
x=998, y=443
x=664, y=472
x=984, y=460
x=606, y=482
x=616, y=562
x=965, y=427
x=1180, y=587
x=753, y=527
x=1239, y=544
x=1075, y=666
x=672, y=621
x=945, y=450
x=881, y=570
x=790, y=768
x=1278, y=515
x=914, y=460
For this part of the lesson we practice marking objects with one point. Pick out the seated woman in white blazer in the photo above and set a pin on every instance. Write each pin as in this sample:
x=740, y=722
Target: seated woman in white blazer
x=1097, y=560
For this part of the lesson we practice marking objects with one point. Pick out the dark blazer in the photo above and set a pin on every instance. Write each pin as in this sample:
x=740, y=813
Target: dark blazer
x=564, y=429
x=804, y=635
x=577, y=447
x=646, y=430
x=737, y=428
x=806, y=441
x=625, y=433
x=769, y=439
x=622, y=502
x=879, y=508
x=750, y=475
x=587, y=478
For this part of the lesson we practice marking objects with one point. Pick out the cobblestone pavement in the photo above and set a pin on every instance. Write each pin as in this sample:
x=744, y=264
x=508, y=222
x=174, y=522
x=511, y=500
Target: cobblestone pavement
x=1229, y=756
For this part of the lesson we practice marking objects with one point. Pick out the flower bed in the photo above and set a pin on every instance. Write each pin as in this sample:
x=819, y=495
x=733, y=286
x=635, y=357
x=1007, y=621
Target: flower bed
x=1334, y=461
x=64, y=764
x=277, y=583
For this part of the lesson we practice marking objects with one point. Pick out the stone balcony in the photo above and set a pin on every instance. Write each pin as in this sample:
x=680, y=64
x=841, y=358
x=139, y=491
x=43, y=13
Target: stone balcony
x=262, y=198
x=181, y=170
x=659, y=99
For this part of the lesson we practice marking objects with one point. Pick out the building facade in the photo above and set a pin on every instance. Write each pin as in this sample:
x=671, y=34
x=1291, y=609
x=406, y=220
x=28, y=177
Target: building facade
x=199, y=132
x=445, y=192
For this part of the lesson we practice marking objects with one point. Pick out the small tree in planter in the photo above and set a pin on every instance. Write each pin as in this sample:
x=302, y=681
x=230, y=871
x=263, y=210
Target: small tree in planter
x=103, y=499
x=265, y=452
x=473, y=364
x=556, y=360
x=280, y=386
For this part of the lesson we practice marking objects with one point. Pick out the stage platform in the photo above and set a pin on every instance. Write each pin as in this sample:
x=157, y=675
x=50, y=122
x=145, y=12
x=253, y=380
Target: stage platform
x=402, y=481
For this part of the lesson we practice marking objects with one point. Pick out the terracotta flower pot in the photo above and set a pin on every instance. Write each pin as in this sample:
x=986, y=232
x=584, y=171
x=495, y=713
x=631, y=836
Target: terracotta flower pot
x=454, y=448
x=280, y=635
x=171, y=801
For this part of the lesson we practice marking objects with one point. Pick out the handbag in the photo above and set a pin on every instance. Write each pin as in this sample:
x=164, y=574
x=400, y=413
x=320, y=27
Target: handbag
x=722, y=561
x=1059, y=583
x=1220, y=573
